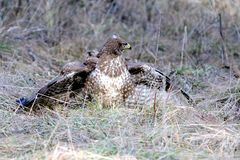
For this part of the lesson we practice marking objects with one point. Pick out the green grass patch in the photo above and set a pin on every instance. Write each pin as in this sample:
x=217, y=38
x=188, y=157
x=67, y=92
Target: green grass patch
x=5, y=47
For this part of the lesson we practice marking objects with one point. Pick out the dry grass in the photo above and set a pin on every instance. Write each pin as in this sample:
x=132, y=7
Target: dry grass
x=37, y=37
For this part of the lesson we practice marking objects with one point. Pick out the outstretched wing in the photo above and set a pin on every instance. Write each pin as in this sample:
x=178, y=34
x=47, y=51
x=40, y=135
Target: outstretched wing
x=145, y=74
x=72, y=77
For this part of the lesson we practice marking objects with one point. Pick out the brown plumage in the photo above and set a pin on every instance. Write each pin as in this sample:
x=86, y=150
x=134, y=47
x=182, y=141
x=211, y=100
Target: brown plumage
x=108, y=78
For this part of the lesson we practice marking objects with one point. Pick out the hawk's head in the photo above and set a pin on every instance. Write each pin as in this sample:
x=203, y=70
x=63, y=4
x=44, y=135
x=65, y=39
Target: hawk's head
x=114, y=46
x=110, y=62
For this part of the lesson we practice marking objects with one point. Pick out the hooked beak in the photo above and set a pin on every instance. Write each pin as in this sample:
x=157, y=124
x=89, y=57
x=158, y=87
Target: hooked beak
x=127, y=46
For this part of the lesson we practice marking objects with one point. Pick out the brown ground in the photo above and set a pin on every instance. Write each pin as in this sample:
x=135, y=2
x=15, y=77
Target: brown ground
x=186, y=36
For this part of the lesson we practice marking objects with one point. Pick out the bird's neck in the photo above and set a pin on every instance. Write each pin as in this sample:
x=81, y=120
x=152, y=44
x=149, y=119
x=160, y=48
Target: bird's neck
x=112, y=65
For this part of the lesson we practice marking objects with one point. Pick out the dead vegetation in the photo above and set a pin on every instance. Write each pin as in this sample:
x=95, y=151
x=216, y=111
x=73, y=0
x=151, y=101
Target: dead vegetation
x=199, y=40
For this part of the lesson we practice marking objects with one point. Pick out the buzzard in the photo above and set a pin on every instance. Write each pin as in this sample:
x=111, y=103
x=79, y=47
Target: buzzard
x=109, y=78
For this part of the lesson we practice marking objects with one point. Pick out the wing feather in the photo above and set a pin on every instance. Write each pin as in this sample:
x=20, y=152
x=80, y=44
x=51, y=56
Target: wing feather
x=145, y=74
x=71, y=77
